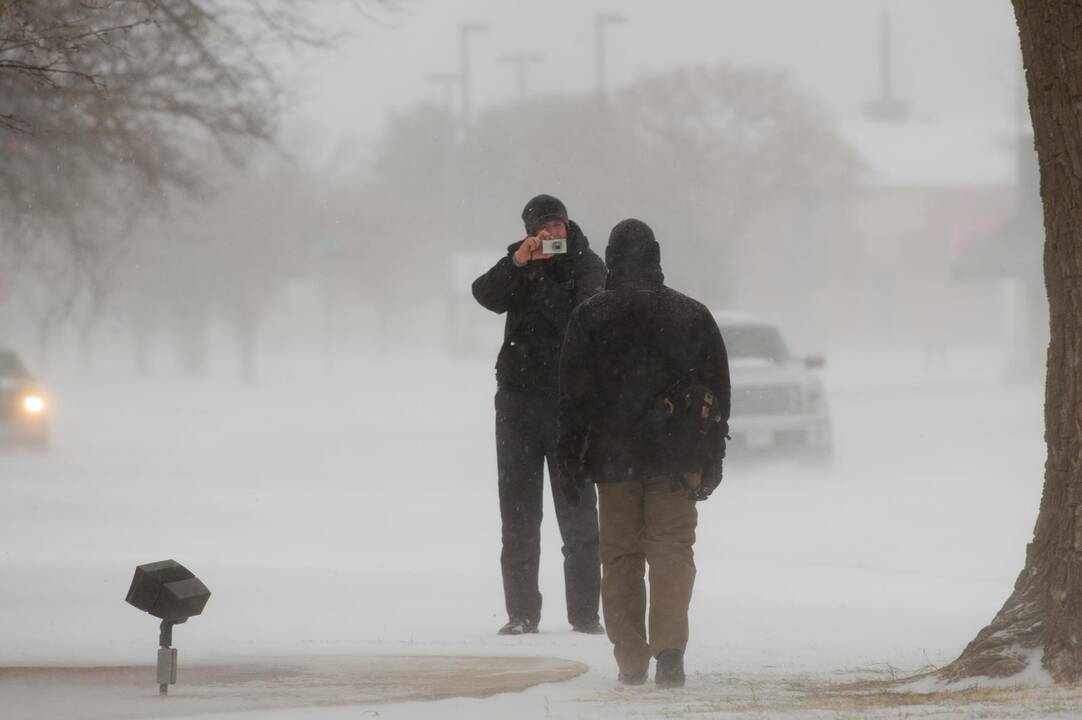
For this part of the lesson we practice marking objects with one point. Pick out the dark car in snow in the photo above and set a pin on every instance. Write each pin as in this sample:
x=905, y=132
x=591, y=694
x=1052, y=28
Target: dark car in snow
x=778, y=402
x=24, y=417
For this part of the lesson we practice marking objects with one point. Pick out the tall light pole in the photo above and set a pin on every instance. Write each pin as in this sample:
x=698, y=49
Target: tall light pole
x=464, y=32
x=601, y=21
x=448, y=81
x=522, y=62
x=887, y=108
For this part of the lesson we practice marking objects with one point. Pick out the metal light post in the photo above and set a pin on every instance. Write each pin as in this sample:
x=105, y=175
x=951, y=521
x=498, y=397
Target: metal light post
x=167, y=657
x=465, y=30
x=601, y=21
x=887, y=108
x=448, y=81
x=521, y=63
x=886, y=76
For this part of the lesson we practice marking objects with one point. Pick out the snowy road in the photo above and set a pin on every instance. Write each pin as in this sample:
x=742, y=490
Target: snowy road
x=360, y=517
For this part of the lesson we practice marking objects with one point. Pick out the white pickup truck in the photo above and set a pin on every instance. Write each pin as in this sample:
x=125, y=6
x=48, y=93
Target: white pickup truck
x=778, y=402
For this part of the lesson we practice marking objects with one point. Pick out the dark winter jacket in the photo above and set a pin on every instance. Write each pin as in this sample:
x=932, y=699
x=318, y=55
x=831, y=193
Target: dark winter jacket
x=538, y=299
x=624, y=348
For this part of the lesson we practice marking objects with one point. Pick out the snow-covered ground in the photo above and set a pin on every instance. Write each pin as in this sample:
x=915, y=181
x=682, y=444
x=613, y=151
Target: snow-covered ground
x=357, y=514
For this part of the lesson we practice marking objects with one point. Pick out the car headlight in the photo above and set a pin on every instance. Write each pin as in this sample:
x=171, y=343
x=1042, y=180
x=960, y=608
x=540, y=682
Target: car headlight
x=34, y=404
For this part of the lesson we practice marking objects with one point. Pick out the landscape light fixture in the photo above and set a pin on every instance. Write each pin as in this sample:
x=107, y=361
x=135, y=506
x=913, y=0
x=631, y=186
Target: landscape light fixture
x=169, y=591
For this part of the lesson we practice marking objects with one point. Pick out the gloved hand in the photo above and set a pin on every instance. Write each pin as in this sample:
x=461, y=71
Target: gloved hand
x=710, y=481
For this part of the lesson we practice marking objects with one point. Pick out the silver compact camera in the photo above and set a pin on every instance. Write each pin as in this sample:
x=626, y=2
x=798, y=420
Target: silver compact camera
x=554, y=247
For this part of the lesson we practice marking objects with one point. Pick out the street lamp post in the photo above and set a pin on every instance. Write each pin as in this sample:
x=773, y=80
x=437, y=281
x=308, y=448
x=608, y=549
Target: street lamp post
x=464, y=32
x=447, y=81
x=601, y=21
x=521, y=63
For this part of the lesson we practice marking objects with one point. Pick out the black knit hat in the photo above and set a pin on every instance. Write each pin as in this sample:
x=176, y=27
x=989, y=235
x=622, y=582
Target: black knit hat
x=632, y=242
x=540, y=210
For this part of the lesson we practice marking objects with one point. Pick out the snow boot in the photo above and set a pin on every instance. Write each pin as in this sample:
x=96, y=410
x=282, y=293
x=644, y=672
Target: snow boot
x=670, y=669
x=518, y=626
x=590, y=628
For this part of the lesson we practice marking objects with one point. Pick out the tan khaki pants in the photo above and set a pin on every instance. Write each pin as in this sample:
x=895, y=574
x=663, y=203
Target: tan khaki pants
x=650, y=521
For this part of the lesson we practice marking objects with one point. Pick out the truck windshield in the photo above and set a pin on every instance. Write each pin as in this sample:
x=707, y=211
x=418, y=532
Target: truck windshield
x=755, y=342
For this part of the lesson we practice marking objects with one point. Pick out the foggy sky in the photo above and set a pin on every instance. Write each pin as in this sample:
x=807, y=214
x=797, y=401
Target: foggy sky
x=952, y=57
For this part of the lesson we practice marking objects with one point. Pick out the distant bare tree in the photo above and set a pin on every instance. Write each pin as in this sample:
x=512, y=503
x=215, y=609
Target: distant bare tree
x=253, y=247
x=699, y=152
x=718, y=144
x=107, y=104
x=221, y=255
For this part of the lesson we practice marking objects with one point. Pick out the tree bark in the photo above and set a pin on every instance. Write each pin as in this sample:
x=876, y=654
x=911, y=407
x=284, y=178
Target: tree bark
x=1044, y=613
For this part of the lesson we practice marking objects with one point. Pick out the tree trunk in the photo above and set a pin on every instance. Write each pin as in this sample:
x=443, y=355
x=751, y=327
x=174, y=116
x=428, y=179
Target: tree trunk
x=1043, y=616
x=141, y=351
x=245, y=326
x=191, y=336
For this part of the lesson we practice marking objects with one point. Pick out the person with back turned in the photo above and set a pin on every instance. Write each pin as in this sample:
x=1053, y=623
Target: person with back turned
x=539, y=281
x=644, y=410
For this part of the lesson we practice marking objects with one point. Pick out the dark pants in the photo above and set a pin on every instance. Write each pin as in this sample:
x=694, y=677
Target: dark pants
x=525, y=439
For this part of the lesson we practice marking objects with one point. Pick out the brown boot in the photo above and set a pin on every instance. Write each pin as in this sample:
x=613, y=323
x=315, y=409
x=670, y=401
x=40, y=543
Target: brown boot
x=590, y=628
x=670, y=669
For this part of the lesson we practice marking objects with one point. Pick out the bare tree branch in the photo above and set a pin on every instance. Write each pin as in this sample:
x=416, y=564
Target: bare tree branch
x=107, y=106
